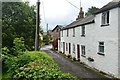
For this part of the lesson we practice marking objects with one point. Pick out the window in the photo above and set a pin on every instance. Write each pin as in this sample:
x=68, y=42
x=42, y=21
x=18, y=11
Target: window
x=83, y=31
x=83, y=50
x=105, y=18
x=67, y=32
x=66, y=47
x=61, y=33
x=74, y=48
x=101, y=47
x=73, y=32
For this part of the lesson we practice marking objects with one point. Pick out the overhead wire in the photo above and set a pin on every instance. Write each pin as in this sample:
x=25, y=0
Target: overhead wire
x=72, y=4
x=44, y=13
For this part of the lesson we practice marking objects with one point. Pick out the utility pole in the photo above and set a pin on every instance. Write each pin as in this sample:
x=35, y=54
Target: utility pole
x=37, y=26
x=47, y=28
x=47, y=34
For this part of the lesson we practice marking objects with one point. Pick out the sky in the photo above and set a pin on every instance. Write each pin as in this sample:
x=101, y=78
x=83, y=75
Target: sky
x=60, y=12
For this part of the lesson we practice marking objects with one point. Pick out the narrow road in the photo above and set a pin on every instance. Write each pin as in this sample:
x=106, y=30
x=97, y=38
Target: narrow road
x=70, y=67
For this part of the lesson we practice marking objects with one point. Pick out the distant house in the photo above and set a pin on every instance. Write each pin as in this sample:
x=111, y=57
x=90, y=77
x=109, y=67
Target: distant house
x=94, y=39
x=56, y=34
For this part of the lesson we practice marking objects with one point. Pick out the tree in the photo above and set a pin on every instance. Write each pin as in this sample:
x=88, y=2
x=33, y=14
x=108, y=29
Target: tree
x=91, y=10
x=18, y=20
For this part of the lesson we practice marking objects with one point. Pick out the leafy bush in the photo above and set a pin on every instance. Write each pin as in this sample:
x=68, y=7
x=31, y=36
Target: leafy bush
x=19, y=46
x=60, y=51
x=36, y=65
x=69, y=55
x=74, y=59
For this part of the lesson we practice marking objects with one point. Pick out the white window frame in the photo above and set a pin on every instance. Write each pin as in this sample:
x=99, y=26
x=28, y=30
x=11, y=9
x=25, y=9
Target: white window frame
x=105, y=18
x=83, y=31
x=101, y=45
x=74, y=48
x=83, y=53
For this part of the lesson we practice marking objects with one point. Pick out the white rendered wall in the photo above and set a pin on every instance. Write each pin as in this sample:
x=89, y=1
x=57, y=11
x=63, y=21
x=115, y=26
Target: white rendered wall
x=119, y=41
x=94, y=34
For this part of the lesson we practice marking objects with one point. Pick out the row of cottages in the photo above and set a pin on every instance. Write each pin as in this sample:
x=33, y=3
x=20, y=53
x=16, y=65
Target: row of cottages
x=94, y=39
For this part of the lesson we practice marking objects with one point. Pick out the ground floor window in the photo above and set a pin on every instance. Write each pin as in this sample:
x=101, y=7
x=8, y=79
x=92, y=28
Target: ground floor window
x=74, y=48
x=101, y=48
x=83, y=50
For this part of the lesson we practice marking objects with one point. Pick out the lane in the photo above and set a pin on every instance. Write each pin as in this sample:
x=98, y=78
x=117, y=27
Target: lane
x=70, y=67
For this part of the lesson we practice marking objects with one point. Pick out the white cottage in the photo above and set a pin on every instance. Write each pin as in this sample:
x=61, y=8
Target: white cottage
x=94, y=39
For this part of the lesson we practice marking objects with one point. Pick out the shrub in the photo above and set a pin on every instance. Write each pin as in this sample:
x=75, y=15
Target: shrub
x=19, y=46
x=69, y=55
x=36, y=65
x=78, y=59
x=60, y=51
x=74, y=59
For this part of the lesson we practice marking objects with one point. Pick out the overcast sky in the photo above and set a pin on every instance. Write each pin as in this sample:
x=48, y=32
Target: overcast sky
x=60, y=12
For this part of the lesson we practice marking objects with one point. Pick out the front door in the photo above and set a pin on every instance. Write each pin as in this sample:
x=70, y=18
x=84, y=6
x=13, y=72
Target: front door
x=78, y=51
x=69, y=48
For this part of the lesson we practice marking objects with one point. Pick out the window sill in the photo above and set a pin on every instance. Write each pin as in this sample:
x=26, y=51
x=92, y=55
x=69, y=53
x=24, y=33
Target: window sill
x=105, y=25
x=83, y=56
x=82, y=35
x=100, y=53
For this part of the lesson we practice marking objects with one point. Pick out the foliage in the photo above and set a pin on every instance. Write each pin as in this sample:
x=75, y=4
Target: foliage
x=18, y=20
x=78, y=59
x=47, y=39
x=60, y=51
x=35, y=65
x=91, y=10
x=19, y=46
x=69, y=55
x=74, y=58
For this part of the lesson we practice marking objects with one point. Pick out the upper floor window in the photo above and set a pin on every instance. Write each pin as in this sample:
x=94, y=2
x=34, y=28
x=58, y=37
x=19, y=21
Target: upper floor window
x=83, y=31
x=62, y=33
x=67, y=32
x=105, y=18
x=73, y=32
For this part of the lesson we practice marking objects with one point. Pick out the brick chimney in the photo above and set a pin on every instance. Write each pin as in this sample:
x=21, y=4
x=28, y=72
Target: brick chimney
x=81, y=14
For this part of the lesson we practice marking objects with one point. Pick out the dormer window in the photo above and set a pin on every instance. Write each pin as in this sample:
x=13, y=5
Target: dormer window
x=105, y=18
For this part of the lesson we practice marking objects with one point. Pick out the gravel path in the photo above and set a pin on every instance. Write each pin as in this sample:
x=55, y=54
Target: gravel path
x=69, y=66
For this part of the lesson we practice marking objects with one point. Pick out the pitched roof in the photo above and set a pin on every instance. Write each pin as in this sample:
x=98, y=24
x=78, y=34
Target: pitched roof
x=110, y=5
x=58, y=26
x=80, y=22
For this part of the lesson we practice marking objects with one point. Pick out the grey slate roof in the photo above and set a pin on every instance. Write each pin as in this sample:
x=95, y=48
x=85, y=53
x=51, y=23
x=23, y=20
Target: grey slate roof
x=110, y=5
x=80, y=22
x=90, y=19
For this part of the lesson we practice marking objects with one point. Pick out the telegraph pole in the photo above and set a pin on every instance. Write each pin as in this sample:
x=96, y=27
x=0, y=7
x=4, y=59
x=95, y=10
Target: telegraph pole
x=37, y=26
x=47, y=33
